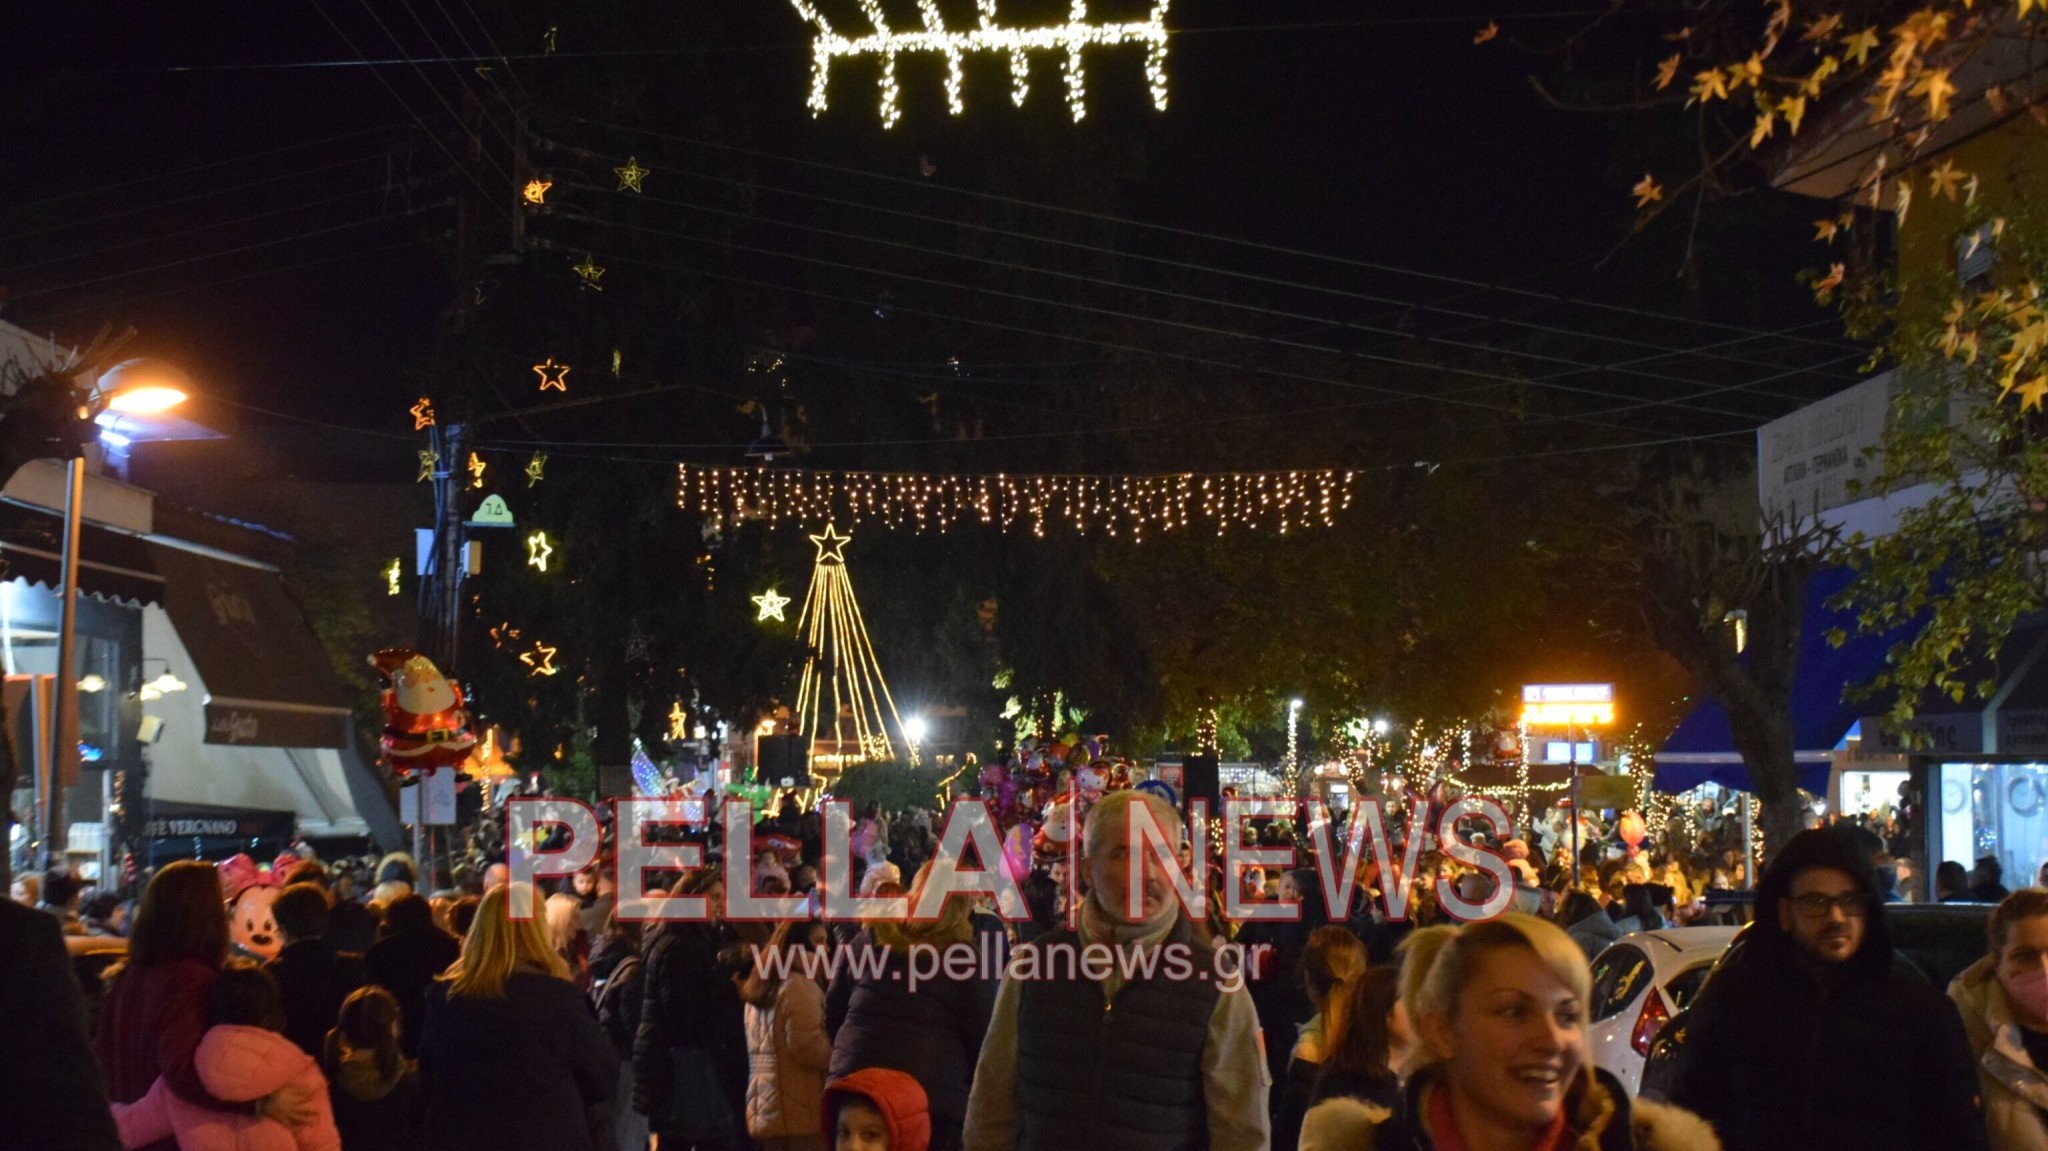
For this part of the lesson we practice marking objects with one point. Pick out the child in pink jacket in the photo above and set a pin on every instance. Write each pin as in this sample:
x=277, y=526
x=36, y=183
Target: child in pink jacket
x=243, y=1057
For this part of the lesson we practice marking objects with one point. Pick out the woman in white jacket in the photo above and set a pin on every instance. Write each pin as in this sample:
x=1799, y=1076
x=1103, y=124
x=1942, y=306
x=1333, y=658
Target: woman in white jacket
x=787, y=1049
x=2004, y=1001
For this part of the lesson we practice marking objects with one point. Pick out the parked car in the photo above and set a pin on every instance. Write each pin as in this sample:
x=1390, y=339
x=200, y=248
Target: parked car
x=1639, y=982
x=1939, y=939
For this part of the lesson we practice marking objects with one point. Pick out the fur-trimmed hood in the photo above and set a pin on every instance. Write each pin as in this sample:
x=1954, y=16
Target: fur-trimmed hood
x=1347, y=1124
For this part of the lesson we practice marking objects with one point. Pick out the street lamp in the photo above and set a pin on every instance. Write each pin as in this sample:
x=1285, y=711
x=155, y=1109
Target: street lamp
x=914, y=730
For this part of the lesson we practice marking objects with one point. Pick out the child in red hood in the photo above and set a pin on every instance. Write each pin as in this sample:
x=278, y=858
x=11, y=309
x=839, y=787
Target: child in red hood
x=876, y=1109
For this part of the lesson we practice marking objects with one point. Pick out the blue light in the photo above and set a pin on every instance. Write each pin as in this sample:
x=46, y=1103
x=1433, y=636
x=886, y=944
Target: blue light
x=114, y=439
x=90, y=754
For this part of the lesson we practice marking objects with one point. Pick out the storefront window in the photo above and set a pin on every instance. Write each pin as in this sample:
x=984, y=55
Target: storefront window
x=1996, y=809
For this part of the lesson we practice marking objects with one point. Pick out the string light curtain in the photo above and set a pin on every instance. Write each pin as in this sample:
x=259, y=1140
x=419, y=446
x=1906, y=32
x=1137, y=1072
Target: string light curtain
x=1133, y=506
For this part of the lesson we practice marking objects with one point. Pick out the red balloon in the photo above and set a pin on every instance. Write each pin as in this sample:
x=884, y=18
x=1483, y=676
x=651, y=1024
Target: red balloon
x=1631, y=828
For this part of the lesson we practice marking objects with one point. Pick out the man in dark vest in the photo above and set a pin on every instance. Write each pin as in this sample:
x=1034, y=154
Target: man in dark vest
x=1091, y=1046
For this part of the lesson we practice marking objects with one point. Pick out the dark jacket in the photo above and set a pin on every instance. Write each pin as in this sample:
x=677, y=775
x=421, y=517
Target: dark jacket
x=688, y=1000
x=933, y=1034
x=374, y=1112
x=531, y=1070
x=53, y=1095
x=406, y=964
x=150, y=1025
x=1786, y=1052
x=315, y=977
x=351, y=926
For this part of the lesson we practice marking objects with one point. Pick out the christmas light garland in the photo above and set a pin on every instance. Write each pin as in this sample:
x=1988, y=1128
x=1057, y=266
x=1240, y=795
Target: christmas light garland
x=1119, y=505
x=1017, y=44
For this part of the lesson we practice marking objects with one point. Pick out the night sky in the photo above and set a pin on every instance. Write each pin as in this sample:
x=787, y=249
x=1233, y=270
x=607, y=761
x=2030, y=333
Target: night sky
x=281, y=226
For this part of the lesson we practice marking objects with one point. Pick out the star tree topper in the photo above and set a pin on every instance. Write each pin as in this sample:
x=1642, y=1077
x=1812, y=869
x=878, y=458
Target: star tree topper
x=831, y=545
x=771, y=606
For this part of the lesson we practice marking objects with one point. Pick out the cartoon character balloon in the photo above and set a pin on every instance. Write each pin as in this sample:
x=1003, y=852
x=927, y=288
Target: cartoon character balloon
x=425, y=723
x=249, y=891
x=1632, y=830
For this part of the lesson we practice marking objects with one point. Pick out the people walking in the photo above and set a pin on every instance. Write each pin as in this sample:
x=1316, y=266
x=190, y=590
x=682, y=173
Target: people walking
x=690, y=1056
x=2003, y=998
x=53, y=1094
x=374, y=1088
x=411, y=951
x=314, y=975
x=788, y=1051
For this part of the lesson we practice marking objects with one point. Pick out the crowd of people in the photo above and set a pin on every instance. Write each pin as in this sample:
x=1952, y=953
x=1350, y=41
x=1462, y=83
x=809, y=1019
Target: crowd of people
x=389, y=1017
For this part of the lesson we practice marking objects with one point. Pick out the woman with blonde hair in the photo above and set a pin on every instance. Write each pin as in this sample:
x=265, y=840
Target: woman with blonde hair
x=511, y=1056
x=1500, y=1010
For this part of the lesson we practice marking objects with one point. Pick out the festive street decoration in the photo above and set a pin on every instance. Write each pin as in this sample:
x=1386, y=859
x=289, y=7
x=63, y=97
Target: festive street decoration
x=647, y=778
x=536, y=191
x=618, y=361
x=538, y=549
x=1120, y=505
x=1017, y=44
x=637, y=644
x=590, y=271
x=631, y=175
x=771, y=606
x=430, y=462
x=502, y=633
x=678, y=722
x=476, y=470
x=541, y=659
x=391, y=573
x=843, y=703
x=552, y=375
x=537, y=466
x=491, y=512
x=423, y=415
x=426, y=724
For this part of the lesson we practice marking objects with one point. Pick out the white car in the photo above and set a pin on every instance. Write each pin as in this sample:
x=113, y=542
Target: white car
x=1640, y=982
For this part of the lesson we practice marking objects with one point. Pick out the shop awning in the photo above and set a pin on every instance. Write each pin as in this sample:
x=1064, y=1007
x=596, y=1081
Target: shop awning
x=111, y=565
x=1702, y=750
x=267, y=679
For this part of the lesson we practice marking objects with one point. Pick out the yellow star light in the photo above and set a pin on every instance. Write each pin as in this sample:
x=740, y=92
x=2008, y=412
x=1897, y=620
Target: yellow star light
x=631, y=175
x=831, y=545
x=534, y=468
x=476, y=470
x=552, y=375
x=590, y=271
x=391, y=573
x=541, y=659
x=430, y=462
x=618, y=361
x=538, y=549
x=678, y=722
x=771, y=605
x=423, y=415
x=536, y=191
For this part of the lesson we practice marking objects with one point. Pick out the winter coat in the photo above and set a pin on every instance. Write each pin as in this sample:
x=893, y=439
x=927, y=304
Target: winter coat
x=530, y=1071
x=242, y=1064
x=892, y=1093
x=53, y=1095
x=1593, y=933
x=374, y=1111
x=787, y=1053
x=2015, y=1091
x=406, y=964
x=934, y=1034
x=688, y=1000
x=150, y=1025
x=1602, y=1116
x=315, y=976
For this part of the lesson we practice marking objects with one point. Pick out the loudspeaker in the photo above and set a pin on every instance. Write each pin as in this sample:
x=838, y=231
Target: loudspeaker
x=1200, y=780
x=780, y=757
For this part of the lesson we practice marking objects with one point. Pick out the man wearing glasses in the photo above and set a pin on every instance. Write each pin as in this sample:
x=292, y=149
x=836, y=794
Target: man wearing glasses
x=1816, y=1035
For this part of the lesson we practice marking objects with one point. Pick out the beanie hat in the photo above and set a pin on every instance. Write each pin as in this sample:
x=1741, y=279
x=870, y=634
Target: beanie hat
x=898, y=1097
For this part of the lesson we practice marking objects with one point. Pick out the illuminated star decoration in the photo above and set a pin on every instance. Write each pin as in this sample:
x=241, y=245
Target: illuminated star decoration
x=552, y=375
x=423, y=415
x=476, y=470
x=503, y=632
x=678, y=722
x=391, y=573
x=535, y=467
x=538, y=549
x=1015, y=43
x=541, y=659
x=430, y=462
x=637, y=643
x=536, y=191
x=831, y=545
x=771, y=605
x=618, y=361
x=631, y=175
x=590, y=271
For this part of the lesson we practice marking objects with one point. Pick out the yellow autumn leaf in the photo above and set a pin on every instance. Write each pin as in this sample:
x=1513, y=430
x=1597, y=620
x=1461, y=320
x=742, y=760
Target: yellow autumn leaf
x=1936, y=89
x=1825, y=230
x=1822, y=27
x=1748, y=72
x=1970, y=190
x=1860, y=45
x=1827, y=67
x=1945, y=180
x=1668, y=70
x=1765, y=124
x=2026, y=5
x=1824, y=287
x=1491, y=30
x=1904, y=201
x=2032, y=392
x=1794, y=110
x=1708, y=85
x=1647, y=191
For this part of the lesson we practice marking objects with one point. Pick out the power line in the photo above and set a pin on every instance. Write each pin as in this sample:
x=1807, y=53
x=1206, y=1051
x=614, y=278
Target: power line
x=160, y=238
x=453, y=115
x=102, y=218
x=353, y=253
x=177, y=172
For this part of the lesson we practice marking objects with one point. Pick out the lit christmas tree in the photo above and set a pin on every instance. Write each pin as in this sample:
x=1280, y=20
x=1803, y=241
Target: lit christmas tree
x=843, y=704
